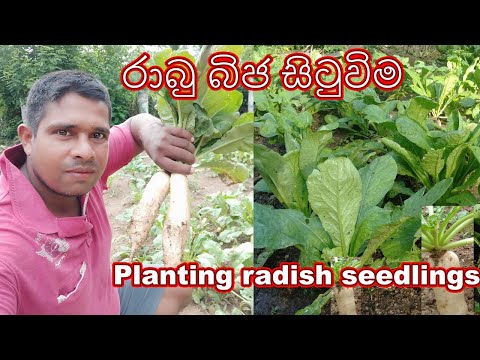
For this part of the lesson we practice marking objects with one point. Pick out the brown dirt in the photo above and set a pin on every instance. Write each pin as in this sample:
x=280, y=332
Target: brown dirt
x=369, y=301
x=409, y=301
x=119, y=197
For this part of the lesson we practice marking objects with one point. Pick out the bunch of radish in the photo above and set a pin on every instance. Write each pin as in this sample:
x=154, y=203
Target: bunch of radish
x=216, y=125
x=177, y=221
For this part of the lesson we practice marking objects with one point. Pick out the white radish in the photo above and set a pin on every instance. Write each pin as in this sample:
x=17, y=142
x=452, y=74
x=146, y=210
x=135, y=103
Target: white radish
x=146, y=211
x=448, y=303
x=345, y=300
x=176, y=228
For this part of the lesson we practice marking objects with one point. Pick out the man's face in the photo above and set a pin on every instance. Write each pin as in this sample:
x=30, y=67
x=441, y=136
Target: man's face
x=70, y=151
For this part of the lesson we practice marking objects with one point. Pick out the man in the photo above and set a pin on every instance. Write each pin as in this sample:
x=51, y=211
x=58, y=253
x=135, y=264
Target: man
x=55, y=236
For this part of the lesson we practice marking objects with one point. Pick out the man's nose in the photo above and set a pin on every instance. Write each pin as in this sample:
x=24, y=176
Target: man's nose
x=83, y=149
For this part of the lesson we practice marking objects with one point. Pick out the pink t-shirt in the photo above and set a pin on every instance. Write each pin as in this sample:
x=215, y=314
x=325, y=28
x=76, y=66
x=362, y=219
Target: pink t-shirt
x=51, y=265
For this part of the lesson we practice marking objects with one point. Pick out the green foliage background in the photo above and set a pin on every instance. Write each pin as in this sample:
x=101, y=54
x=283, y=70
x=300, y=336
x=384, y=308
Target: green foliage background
x=21, y=65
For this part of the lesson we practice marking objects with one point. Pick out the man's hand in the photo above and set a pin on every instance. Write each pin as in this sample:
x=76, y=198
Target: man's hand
x=169, y=147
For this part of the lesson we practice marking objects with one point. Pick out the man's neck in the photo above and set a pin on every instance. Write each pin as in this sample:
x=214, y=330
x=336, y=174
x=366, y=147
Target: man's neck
x=60, y=205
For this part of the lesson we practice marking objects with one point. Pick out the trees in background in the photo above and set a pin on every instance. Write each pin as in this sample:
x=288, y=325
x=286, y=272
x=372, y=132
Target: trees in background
x=21, y=65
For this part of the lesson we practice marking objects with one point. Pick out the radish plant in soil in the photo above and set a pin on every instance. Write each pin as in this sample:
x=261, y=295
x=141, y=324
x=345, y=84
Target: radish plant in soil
x=348, y=221
x=440, y=237
x=217, y=127
x=346, y=202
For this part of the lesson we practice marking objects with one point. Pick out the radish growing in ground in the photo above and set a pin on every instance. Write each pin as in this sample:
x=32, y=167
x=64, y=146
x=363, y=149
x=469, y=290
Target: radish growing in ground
x=448, y=303
x=345, y=300
x=438, y=232
x=344, y=198
x=353, y=225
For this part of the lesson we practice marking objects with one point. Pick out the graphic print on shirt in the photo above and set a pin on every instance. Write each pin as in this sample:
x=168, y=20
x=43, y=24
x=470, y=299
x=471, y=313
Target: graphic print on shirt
x=53, y=249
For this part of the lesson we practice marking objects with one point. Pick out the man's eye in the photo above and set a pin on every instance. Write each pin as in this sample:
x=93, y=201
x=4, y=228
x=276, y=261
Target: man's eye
x=63, y=132
x=99, y=135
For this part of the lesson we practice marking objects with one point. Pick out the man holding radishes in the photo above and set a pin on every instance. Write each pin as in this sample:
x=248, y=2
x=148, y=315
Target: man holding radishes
x=55, y=236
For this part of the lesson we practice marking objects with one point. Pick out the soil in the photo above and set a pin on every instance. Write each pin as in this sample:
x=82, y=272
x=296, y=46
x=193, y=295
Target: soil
x=284, y=301
x=369, y=301
x=119, y=197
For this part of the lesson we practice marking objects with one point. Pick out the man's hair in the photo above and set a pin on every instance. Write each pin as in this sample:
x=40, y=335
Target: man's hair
x=53, y=86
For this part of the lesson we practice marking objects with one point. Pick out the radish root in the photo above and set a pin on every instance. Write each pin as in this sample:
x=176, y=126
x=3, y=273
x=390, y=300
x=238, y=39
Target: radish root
x=448, y=303
x=146, y=211
x=345, y=299
x=176, y=227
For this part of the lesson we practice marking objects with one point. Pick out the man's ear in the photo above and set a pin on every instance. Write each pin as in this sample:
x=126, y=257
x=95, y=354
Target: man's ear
x=25, y=134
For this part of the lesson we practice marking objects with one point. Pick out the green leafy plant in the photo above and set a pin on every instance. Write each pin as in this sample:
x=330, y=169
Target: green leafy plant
x=362, y=114
x=438, y=230
x=453, y=87
x=212, y=118
x=347, y=224
x=217, y=127
x=428, y=128
x=430, y=155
